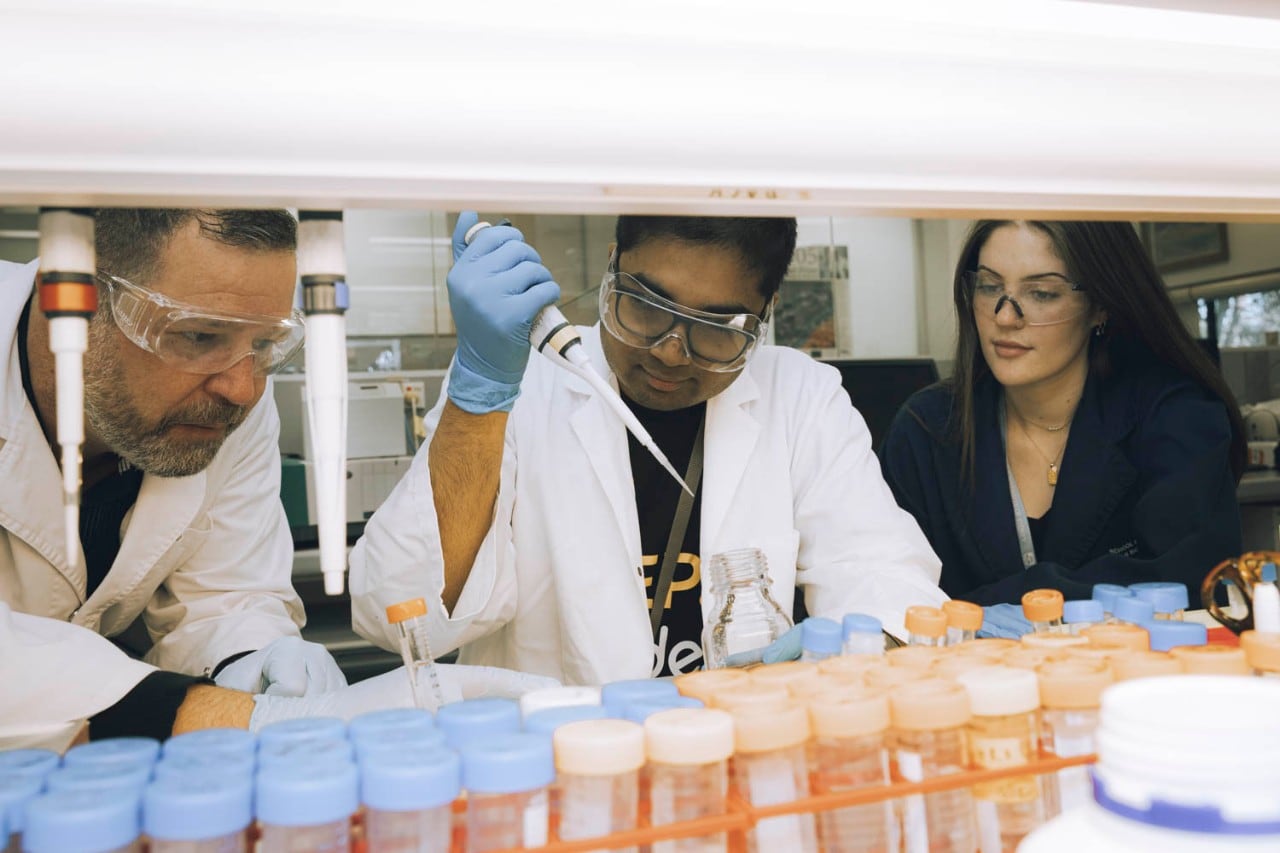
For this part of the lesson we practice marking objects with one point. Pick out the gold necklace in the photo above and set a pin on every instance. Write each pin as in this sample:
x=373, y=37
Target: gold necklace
x=1052, y=476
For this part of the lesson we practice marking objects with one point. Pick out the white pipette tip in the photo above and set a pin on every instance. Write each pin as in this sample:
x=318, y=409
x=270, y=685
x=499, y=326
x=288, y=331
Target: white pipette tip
x=71, y=513
x=333, y=583
x=665, y=463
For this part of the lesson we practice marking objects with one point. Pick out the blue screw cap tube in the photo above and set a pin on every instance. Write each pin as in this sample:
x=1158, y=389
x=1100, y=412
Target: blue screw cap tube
x=477, y=719
x=820, y=639
x=1082, y=613
x=411, y=780
x=307, y=793
x=302, y=729
x=1166, y=634
x=638, y=712
x=508, y=764
x=325, y=749
x=1134, y=610
x=213, y=743
x=863, y=634
x=115, y=752
x=618, y=694
x=89, y=777
x=190, y=808
x=32, y=762
x=1168, y=599
x=548, y=720
x=81, y=821
x=15, y=792
x=1107, y=593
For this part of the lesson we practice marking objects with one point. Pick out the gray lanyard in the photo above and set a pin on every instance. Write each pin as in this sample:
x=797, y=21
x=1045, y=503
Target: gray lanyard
x=1025, y=545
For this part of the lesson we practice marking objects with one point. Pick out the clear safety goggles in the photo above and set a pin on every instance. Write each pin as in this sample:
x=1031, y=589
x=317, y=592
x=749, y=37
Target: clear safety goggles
x=1038, y=303
x=198, y=340
x=640, y=318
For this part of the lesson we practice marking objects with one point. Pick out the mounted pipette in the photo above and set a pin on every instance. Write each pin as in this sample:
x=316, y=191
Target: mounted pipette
x=322, y=269
x=558, y=339
x=69, y=298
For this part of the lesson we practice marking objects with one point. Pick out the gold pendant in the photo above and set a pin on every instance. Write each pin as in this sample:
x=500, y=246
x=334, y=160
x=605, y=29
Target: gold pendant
x=1053, y=474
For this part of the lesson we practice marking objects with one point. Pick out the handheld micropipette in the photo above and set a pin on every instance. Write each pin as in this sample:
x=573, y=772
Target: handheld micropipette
x=558, y=339
x=69, y=298
x=322, y=269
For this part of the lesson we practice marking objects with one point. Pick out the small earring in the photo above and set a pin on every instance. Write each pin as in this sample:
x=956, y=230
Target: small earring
x=1100, y=329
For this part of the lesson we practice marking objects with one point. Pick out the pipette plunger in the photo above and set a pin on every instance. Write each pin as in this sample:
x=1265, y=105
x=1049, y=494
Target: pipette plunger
x=558, y=339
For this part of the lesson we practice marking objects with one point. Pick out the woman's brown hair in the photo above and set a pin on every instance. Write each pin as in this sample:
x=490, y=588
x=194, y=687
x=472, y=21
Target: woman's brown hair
x=1109, y=263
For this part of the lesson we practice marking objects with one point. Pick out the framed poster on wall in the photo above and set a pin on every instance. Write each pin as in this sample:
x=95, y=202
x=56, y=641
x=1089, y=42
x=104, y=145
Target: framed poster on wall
x=1185, y=245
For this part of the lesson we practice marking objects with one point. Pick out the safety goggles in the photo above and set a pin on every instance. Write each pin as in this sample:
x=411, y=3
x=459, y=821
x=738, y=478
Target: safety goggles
x=1037, y=303
x=640, y=318
x=197, y=340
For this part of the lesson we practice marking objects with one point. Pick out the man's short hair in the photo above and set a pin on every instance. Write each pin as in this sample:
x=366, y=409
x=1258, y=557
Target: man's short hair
x=129, y=241
x=764, y=244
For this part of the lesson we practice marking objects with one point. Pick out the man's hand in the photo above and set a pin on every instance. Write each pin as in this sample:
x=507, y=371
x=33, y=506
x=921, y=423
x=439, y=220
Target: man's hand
x=497, y=286
x=289, y=666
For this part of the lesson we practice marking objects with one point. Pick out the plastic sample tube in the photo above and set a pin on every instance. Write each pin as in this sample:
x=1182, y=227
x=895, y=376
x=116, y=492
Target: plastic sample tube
x=1263, y=652
x=701, y=685
x=928, y=736
x=1097, y=652
x=1106, y=594
x=190, y=814
x=780, y=675
x=1043, y=609
x=114, y=752
x=964, y=619
x=1081, y=614
x=952, y=665
x=992, y=647
x=1070, y=695
x=307, y=805
x=410, y=722
x=617, y=695
x=638, y=712
x=887, y=677
x=851, y=667
x=410, y=619
x=369, y=743
x=132, y=778
x=926, y=626
x=688, y=750
x=820, y=639
x=1266, y=601
x=598, y=766
x=1133, y=637
x=751, y=696
x=1134, y=611
x=1030, y=657
x=1004, y=731
x=408, y=798
x=1212, y=660
x=195, y=765
x=848, y=749
x=915, y=657
x=557, y=697
x=1167, y=634
x=862, y=634
x=477, y=719
x=301, y=730
x=328, y=749
x=1169, y=600
x=1053, y=642
x=772, y=768
x=104, y=821
x=37, y=763
x=211, y=743
x=507, y=779
x=1144, y=665
x=546, y=721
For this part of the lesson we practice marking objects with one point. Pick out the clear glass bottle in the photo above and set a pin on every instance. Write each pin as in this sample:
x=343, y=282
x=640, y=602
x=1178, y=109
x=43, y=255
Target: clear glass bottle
x=746, y=616
x=848, y=753
x=964, y=620
x=410, y=619
x=1004, y=731
x=1070, y=696
x=928, y=740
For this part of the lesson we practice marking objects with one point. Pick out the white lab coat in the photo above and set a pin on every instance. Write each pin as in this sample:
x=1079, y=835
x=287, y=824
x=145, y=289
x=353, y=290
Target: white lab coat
x=205, y=560
x=557, y=587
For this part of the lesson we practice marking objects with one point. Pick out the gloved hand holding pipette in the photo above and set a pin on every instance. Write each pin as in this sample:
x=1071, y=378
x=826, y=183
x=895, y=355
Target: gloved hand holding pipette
x=496, y=288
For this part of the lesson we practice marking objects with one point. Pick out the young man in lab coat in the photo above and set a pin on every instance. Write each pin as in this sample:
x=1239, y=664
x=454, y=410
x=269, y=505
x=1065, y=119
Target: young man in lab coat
x=537, y=524
x=186, y=553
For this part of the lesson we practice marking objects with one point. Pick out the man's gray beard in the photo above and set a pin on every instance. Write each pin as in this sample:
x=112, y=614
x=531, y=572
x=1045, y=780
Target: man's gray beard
x=110, y=412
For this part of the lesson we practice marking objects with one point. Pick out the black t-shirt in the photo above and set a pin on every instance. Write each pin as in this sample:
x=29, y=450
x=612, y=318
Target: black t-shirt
x=679, y=646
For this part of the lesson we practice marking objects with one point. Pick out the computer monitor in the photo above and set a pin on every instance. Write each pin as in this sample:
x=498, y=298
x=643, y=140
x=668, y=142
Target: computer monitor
x=879, y=386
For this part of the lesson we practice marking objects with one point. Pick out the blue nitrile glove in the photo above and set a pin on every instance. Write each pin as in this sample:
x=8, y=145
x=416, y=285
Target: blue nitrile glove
x=1004, y=620
x=391, y=690
x=288, y=666
x=786, y=647
x=496, y=288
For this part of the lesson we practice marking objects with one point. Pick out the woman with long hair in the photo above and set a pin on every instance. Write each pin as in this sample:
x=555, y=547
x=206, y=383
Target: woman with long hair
x=1083, y=438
